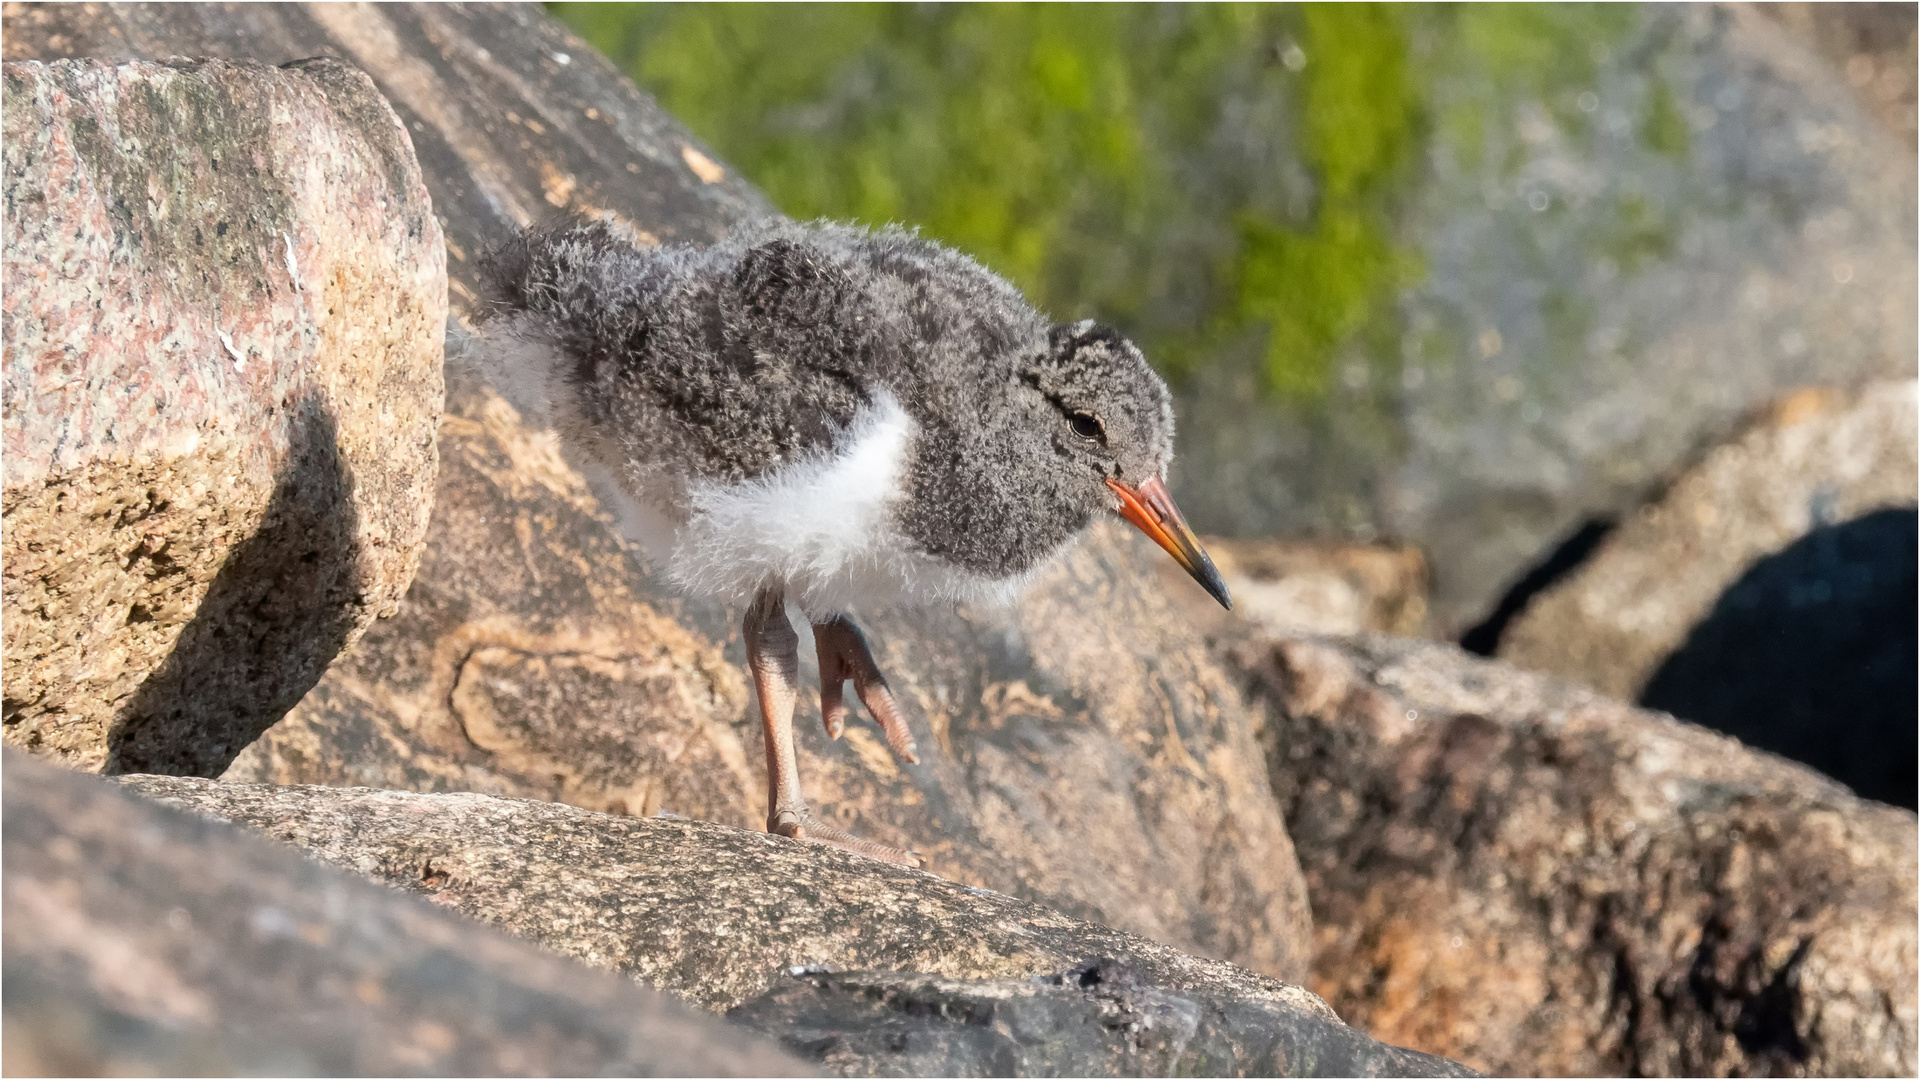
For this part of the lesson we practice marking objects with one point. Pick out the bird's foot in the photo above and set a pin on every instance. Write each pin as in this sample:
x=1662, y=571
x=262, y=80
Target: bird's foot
x=844, y=655
x=772, y=654
x=804, y=826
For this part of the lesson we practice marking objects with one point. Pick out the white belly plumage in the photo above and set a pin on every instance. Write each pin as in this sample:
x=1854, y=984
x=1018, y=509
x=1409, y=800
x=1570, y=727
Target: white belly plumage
x=822, y=528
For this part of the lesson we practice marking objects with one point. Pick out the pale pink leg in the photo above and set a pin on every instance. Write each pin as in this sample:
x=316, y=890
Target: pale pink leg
x=773, y=654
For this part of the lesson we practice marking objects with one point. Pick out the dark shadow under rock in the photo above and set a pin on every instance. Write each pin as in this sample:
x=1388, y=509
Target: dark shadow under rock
x=1483, y=639
x=1811, y=654
x=1766, y=592
x=291, y=592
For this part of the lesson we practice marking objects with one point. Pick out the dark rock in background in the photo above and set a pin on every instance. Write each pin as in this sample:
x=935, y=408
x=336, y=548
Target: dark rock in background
x=226, y=296
x=722, y=916
x=1616, y=266
x=1768, y=593
x=1535, y=880
x=140, y=940
x=1082, y=730
x=1098, y=1019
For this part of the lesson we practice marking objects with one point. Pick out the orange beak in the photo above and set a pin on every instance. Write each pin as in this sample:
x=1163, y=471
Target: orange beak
x=1151, y=510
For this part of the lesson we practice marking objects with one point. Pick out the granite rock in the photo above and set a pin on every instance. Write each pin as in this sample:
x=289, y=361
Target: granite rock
x=513, y=119
x=738, y=920
x=140, y=940
x=707, y=911
x=225, y=299
x=1097, y=1019
x=1534, y=880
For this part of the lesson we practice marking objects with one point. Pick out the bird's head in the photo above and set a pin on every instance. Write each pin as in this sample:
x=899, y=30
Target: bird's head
x=1111, y=425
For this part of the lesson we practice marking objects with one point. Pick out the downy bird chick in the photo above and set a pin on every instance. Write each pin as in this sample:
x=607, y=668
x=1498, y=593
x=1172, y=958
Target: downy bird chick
x=830, y=416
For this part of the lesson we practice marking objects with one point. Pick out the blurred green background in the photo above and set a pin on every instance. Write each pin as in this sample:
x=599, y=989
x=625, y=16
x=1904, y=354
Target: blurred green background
x=1217, y=180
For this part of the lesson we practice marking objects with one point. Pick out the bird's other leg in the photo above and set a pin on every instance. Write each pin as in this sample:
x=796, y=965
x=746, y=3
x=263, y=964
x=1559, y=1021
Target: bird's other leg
x=844, y=655
x=773, y=654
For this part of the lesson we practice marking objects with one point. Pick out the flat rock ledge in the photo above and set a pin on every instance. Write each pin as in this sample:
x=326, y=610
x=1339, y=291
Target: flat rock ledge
x=814, y=945
x=143, y=941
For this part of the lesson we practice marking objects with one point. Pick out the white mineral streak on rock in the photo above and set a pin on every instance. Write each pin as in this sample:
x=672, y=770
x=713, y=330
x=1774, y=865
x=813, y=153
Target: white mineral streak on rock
x=226, y=340
x=293, y=268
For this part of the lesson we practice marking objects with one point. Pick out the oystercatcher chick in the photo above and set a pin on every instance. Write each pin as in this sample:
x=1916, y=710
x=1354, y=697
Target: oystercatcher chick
x=829, y=417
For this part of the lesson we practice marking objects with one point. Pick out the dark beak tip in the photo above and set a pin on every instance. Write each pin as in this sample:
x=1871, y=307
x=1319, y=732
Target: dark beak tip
x=1219, y=591
x=1210, y=580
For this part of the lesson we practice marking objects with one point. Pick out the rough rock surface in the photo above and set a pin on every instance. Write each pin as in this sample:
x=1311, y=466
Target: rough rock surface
x=140, y=940
x=1098, y=1019
x=707, y=911
x=1675, y=608
x=513, y=119
x=1534, y=880
x=225, y=297
x=1083, y=730
x=724, y=916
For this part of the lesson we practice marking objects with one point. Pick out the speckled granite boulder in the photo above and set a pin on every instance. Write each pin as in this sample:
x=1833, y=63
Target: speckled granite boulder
x=142, y=941
x=1538, y=881
x=725, y=916
x=225, y=291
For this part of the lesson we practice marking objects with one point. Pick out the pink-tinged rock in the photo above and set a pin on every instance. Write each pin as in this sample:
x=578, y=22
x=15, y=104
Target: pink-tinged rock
x=1534, y=880
x=224, y=298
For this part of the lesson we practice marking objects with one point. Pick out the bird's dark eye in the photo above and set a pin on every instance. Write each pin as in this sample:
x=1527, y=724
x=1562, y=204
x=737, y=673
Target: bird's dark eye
x=1087, y=426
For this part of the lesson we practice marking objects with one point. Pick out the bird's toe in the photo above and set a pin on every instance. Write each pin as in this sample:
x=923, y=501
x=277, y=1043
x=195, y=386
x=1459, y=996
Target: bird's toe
x=813, y=830
x=844, y=655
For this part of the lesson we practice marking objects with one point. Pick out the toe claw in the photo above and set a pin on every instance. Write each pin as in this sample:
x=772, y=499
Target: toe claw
x=833, y=707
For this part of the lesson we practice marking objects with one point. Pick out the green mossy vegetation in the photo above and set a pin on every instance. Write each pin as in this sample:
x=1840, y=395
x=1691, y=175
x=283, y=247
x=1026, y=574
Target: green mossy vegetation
x=1203, y=176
